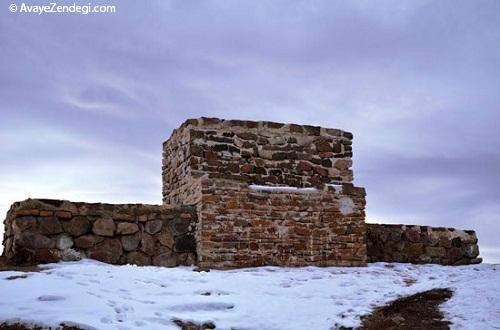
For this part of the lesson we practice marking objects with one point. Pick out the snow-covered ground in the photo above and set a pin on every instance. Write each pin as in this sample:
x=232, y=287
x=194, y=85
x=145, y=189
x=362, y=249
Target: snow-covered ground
x=101, y=296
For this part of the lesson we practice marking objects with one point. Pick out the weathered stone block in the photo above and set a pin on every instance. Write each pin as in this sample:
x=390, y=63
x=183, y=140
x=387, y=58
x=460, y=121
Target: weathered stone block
x=126, y=228
x=152, y=227
x=49, y=225
x=34, y=240
x=131, y=242
x=104, y=227
x=77, y=226
x=108, y=251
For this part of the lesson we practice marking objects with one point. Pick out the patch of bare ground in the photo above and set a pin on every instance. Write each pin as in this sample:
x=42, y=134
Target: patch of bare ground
x=187, y=325
x=6, y=266
x=416, y=312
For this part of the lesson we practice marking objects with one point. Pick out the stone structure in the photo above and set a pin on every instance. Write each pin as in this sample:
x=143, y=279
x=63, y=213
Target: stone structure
x=219, y=165
x=40, y=231
x=235, y=194
x=421, y=244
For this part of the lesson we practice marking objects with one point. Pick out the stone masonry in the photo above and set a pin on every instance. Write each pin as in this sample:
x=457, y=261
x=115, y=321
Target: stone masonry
x=213, y=164
x=421, y=244
x=236, y=194
x=41, y=231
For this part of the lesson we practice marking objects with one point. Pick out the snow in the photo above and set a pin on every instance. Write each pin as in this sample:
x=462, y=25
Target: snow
x=337, y=187
x=346, y=205
x=100, y=296
x=282, y=188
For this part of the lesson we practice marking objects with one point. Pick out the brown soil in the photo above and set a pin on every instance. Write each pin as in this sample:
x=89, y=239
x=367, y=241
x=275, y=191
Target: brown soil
x=186, y=325
x=6, y=266
x=417, y=312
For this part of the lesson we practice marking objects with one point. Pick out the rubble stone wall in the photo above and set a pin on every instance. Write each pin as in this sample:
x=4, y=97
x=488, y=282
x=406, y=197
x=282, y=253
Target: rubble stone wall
x=421, y=244
x=262, y=153
x=41, y=231
x=244, y=226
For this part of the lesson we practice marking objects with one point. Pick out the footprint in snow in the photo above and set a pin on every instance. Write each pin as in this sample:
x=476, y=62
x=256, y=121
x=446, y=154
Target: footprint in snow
x=94, y=294
x=122, y=312
x=139, y=323
x=106, y=319
x=50, y=298
x=204, y=307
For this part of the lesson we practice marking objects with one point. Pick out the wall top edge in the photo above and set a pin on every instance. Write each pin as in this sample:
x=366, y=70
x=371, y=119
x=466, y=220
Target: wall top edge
x=249, y=125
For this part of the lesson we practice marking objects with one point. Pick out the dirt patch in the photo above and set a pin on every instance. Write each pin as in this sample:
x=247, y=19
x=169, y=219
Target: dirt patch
x=187, y=325
x=417, y=312
x=7, y=266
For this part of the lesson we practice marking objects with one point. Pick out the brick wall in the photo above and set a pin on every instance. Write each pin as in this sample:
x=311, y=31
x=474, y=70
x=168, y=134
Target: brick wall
x=243, y=226
x=421, y=244
x=40, y=231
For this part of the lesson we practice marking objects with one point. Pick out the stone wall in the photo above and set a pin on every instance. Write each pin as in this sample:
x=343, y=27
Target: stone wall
x=262, y=153
x=236, y=194
x=421, y=244
x=212, y=164
x=40, y=231
x=244, y=226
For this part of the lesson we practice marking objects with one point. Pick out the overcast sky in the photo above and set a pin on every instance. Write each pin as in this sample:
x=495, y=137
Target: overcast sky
x=86, y=100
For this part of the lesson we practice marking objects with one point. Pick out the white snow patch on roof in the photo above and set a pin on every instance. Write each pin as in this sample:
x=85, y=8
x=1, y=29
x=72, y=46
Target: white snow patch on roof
x=282, y=188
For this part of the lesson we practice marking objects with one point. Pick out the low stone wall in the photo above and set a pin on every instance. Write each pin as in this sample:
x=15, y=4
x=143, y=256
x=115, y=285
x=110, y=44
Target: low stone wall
x=247, y=226
x=41, y=231
x=421, y=244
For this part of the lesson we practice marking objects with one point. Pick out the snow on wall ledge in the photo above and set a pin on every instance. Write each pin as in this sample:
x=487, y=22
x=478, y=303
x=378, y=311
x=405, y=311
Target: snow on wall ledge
x=421, y=244
x=43, y=230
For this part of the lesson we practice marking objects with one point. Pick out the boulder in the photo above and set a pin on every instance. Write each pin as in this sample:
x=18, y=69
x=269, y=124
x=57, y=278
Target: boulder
x=108, y=251
x=166, y=239
x=152, y=227
x=131, y=242
x=77, y=226
x=24, y=223
x=86, y=241
x=126, y=228
x=104, y=227
x=49, y=225
x=165, y=260
x=34, y=240
x=138, y=258
x=147, y=244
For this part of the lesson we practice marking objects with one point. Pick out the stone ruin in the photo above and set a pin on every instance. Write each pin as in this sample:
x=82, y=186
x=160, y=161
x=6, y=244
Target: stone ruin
x=236, y=194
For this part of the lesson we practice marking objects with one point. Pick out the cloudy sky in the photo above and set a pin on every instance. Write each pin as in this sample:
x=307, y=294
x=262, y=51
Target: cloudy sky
x=86, y=100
